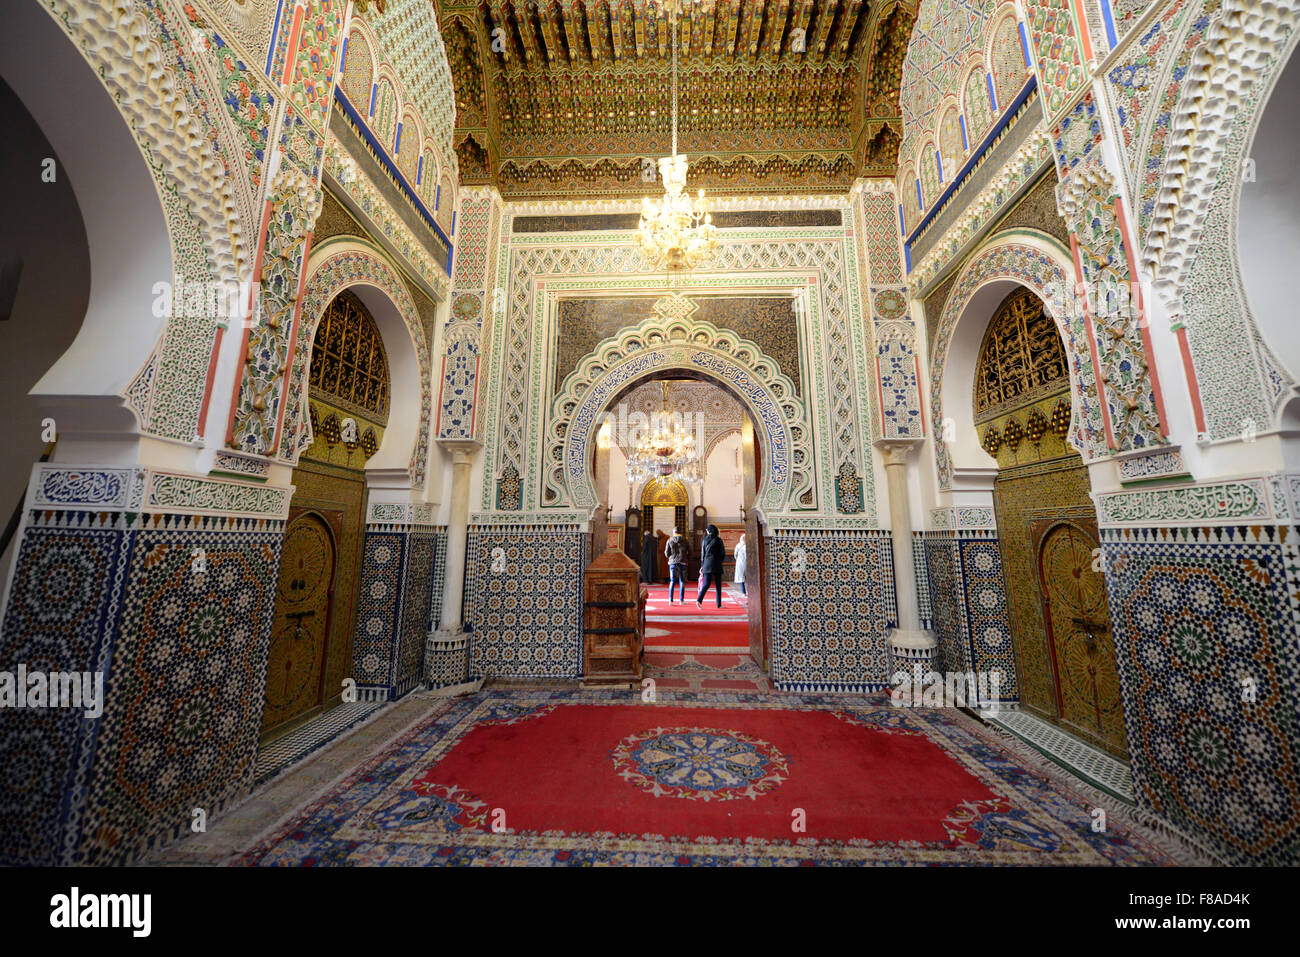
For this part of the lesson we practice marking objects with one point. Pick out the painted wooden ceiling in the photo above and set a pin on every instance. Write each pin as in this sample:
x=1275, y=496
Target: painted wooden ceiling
x=561, y=98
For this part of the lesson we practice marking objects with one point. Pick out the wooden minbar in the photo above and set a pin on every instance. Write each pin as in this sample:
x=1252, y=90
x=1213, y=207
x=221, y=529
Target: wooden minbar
x=613, y=620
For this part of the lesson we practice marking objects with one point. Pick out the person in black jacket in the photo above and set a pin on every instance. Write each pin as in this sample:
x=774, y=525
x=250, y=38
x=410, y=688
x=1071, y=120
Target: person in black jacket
x=711, y=554
x=649, y=558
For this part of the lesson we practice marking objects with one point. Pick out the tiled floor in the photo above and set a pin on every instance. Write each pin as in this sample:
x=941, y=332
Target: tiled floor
x=1096, y=767
x=274, y=757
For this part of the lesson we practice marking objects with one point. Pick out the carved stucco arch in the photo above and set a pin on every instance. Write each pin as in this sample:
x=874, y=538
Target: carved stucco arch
x=151, y=144
x=354, y=263
x=1195, y=217
x=1041, y=264
x=700, y=349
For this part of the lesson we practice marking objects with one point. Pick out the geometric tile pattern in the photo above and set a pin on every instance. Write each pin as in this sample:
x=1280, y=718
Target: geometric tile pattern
x=985, y=594
x=67, y=583
x=291, y=748
x=831, y=604
x=1209, y=655
x=375, y=642
x=185, y=688
x=523, y=601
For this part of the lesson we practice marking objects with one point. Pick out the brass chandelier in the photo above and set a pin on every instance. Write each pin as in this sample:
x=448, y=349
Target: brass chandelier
x=664, y=449
x=677, y=231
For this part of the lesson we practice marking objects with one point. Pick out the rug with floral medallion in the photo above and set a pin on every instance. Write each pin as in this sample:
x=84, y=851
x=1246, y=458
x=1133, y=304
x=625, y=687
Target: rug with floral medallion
x=581, y=777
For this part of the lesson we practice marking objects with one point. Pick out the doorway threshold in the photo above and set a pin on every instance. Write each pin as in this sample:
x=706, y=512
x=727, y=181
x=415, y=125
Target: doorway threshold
x=275, y=756
x=1094, y=766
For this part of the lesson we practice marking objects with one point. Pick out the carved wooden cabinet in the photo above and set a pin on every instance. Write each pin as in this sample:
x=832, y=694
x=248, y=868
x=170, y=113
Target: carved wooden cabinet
x=613, y=620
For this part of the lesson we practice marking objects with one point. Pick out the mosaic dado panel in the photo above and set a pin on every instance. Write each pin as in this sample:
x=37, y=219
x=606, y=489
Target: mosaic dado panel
x=968, y=602
x=175, y=612
x=831, y=604
x=523, y=600
x=1206, y=634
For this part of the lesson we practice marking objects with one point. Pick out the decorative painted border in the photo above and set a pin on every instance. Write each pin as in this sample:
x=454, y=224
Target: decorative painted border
x=1218, y=503
x=141, y=489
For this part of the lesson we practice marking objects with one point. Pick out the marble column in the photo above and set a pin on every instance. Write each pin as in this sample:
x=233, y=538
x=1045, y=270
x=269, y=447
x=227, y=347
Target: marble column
x=909, y=642
x=447, y=649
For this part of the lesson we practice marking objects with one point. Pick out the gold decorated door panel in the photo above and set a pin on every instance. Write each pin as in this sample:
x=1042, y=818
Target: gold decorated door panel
x=1077, y=619
x=300, y=634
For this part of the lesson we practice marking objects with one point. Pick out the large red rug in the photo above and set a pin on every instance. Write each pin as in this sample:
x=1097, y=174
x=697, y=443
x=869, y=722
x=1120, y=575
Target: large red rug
x=580, y=777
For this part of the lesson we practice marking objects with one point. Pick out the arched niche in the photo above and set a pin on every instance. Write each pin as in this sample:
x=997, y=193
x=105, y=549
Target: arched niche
x=1268, y=224
x=772, y=431
x=1042, y=265
x=361, y=267
x=126, y=229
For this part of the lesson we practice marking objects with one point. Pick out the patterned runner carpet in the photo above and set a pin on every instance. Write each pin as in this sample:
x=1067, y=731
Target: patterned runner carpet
x=562, y=777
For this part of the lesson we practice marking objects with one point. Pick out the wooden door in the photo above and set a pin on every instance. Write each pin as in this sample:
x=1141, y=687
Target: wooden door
x=755, y=599
x=1079, y=635
x=300, y=634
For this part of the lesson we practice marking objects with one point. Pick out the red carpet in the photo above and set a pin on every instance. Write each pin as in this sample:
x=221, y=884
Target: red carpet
x=724, y=635
x=657, y=605
x=629, y=768
x=574, y=777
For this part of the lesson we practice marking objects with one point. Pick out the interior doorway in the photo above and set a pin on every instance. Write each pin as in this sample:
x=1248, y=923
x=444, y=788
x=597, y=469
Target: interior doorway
x=348, y=405
x=644, y=508
x=1047, y=527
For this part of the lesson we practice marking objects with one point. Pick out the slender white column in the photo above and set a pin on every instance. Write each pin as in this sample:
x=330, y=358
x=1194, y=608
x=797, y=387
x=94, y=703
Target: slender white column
x=462, y=453
x=908, y=634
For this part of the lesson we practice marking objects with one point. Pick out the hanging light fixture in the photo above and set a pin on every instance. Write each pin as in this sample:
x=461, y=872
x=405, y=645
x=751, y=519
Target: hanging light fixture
x=665, y=449
x=677, y=231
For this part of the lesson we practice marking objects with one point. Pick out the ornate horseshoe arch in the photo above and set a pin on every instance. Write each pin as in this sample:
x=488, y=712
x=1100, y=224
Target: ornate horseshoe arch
x=699, y=348
x=345, y=263
x=1040, y=266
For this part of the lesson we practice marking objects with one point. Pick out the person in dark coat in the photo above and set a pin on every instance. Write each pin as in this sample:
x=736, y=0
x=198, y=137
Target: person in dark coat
x=712, y=553
x=649, y=558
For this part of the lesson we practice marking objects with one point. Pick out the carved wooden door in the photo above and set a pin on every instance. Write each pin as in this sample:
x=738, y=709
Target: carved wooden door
x=300, y=633
x=1079, y=635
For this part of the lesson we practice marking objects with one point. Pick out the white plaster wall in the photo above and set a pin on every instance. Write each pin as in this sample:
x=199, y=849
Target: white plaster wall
x=1268, y=227
x=724, y=491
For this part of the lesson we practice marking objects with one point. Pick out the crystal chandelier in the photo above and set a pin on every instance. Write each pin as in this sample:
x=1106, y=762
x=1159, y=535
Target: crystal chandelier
x=664, y=449
x=676, y=232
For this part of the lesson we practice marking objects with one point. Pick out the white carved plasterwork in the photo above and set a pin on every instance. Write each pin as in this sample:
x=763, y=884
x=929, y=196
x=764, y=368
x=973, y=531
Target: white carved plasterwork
x=1219, y=503
x=135, y=489
x=653, y=347
x=538, y=268
x=1235, y=56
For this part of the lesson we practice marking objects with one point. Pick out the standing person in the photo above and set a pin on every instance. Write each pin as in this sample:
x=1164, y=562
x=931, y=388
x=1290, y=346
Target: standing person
x=649, y=558
x=711, y=555
x=742, y=561
x=676, y=552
